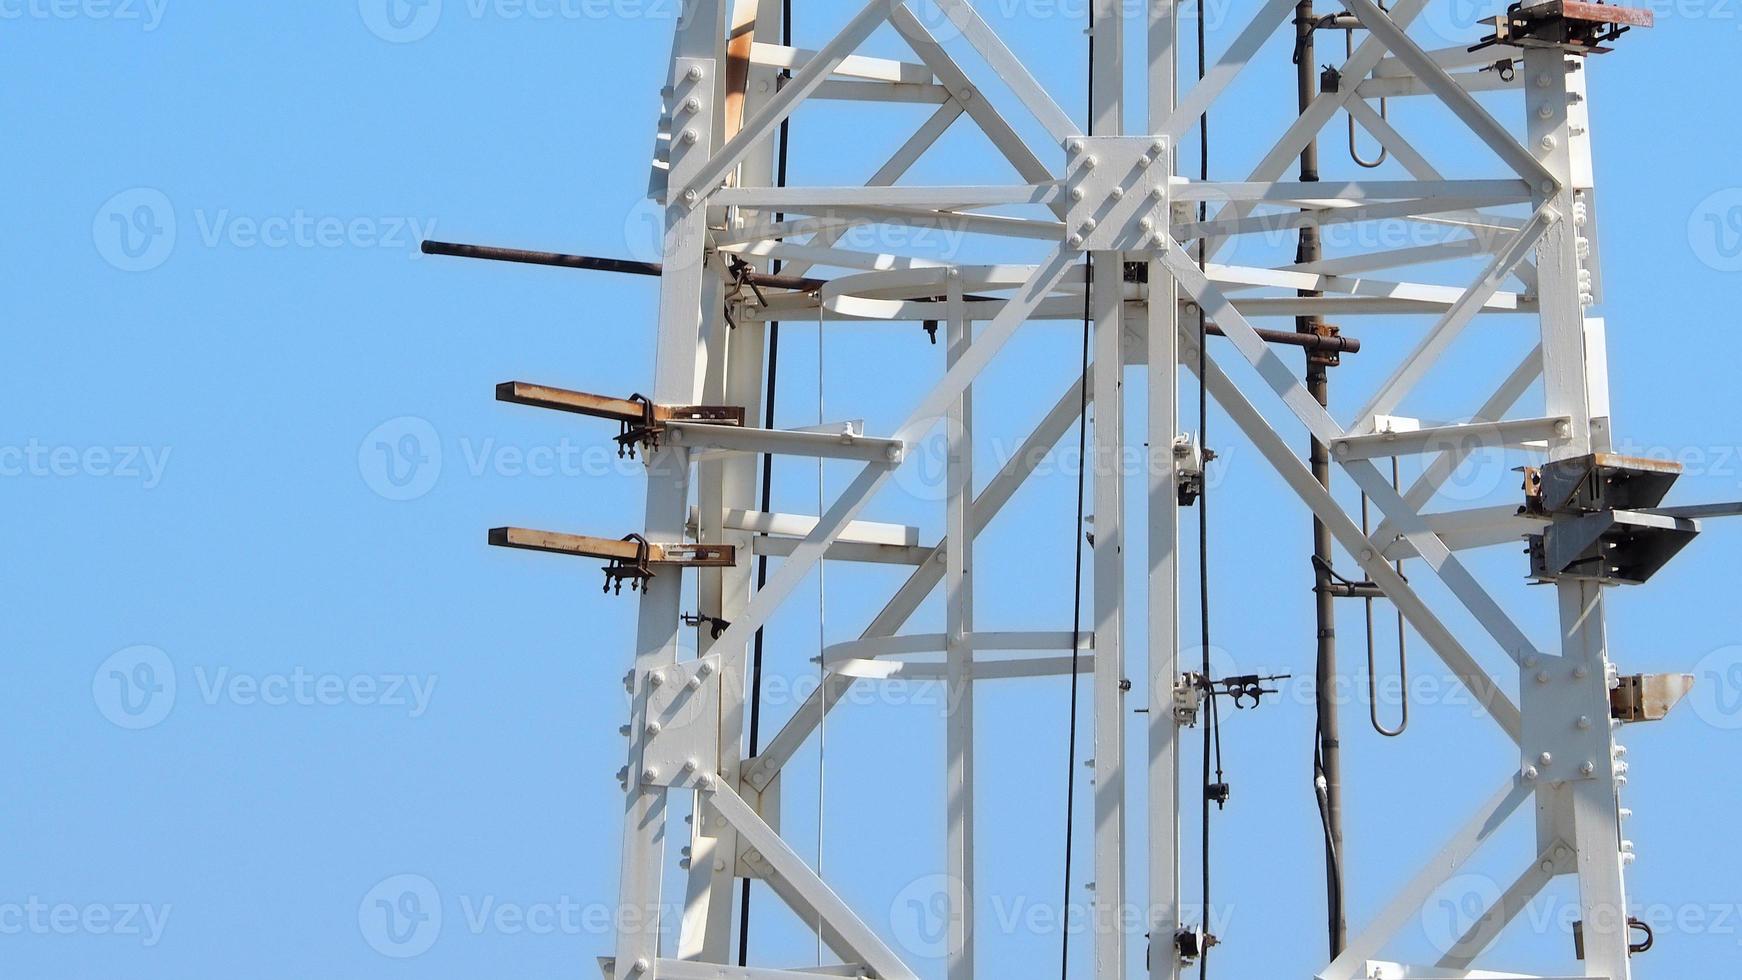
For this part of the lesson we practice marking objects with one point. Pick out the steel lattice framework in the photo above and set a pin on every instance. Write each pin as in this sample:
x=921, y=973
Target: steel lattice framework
x=1118, y=198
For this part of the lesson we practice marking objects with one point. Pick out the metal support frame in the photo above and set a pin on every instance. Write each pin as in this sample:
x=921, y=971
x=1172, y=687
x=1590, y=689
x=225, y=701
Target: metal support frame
x=724, y=105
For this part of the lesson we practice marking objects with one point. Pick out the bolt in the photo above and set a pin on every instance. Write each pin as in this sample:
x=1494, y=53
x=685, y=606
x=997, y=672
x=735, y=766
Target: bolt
x=1581, y=672
x=1548, y=143
x=893, y=454
x=656, y=679
x=692, y=105
x=1546, y=759
x=1147, y=224
x=1076, y=240
x=1530, y=773
x=1542, y=677
x=1342, y=449
x=1547, y=186
x=1544, y=80
x=649, y=774
x=689, y=765
x=1089, y=224
x=1074, y=146
x=1077, y=194
x=1159, y=193
x=1091, y=162
x=1117, y=193
x=690, y=136
x=694, y=683
x=1584, y=723
x=1546, y=112
x=1367, y=554
x=1530, y=662
x=705, y=781
x=704, y=669
x=1548, y=867
x=652, y=729
x=696, y=73
x=691, y=197
x=1588, y=767
x=1158, y=147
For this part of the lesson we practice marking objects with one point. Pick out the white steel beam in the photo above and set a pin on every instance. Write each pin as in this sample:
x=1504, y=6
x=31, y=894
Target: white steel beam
x=819, y=902
x=1482, y=826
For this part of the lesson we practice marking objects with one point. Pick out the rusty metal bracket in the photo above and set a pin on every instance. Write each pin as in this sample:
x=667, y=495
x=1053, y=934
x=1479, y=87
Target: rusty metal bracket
x=632, y=558
x=1648, y=697
x=642, y=421
x=1572, y=26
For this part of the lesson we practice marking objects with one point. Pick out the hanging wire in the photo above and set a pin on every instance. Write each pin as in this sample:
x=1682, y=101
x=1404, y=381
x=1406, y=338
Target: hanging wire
x=1077, y=549
x=767, y=494
x=1212, y=727
x=822, y=638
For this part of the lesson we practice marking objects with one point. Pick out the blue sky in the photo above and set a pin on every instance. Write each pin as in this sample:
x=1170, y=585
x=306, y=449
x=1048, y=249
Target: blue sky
x=261, y=672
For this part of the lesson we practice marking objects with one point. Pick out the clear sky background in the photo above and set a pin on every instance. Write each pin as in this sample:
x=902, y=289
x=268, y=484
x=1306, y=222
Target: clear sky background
x=262, y=675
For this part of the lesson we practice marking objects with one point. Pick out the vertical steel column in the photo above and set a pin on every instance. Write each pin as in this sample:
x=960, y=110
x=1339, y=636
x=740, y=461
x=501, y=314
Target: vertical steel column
x=1107, y=71
x=730, y=484
x=959, y=675
x=682, y=320
x=1588, y=805
x=1163, y=917
x=688, y=297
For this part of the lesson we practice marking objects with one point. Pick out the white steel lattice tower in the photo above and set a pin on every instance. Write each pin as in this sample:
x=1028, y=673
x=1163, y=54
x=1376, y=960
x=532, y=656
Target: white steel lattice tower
x=1097, y=192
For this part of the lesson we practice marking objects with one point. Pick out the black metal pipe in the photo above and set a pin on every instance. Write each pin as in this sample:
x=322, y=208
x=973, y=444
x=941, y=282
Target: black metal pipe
x=1328, y=779
x=594, y=263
